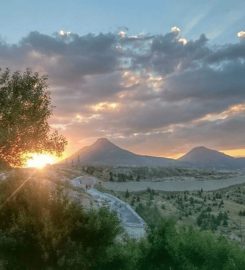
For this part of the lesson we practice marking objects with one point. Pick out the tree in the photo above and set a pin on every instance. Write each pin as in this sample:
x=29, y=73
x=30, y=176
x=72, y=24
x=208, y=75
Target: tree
x=127, y=194
x=111, y=177
x=41, y=228
x=25, y=107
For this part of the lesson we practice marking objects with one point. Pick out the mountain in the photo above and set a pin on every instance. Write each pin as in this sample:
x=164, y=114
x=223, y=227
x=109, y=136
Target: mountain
x=241, y=162
x=104, y=152
x=202, y=157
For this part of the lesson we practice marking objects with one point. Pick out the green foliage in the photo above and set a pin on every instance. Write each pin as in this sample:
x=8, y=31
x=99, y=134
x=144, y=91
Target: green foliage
x=241, y=213
x=40, y=228
x=25, y=107
x=127, y=194
x=150, y=213
x=208, y=221
x=171, y=247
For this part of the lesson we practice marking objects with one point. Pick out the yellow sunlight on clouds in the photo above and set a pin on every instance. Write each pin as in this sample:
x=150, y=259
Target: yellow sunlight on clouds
x=235, y=152
x=104, y=106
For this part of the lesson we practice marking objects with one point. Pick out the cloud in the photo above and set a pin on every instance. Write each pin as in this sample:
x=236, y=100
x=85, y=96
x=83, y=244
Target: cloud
x=224, y=84
x=122, y=34
x=71, y=57
x=158, y=89
x=221, y=134
x=64, y=33
x=241, y=34
x=175, y=29
x=183, y=41
x=167, y=55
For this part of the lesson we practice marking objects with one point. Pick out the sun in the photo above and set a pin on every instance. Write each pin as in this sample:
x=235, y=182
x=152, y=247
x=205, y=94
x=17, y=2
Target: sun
x=39, y=161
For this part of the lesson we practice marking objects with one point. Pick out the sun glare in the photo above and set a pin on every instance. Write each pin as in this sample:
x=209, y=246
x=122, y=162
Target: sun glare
x=39, y=161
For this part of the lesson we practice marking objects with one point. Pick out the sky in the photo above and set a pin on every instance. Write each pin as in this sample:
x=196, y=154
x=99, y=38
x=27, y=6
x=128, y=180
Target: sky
x=156, y=77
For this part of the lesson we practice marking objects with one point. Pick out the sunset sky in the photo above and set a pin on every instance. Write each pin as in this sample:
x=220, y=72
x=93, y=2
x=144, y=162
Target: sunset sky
x=155, y=77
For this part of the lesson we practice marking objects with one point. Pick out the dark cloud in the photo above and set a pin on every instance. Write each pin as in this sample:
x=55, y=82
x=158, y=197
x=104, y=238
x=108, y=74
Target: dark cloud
x=167, y=54
x=219, y=134
x=208, y=83
x=65, y=59
x=139, y=89
x=229, y=52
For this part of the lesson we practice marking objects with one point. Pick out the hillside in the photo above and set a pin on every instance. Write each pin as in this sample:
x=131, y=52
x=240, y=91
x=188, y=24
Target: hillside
x=203, y=157
x=105, y=153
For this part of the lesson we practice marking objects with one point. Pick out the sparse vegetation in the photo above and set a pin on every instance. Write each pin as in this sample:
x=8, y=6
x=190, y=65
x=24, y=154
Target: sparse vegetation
x=218, y=211
x=124, y=174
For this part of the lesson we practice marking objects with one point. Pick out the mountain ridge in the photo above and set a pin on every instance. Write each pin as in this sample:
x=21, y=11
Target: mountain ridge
x=105, y=153
x=204, y=157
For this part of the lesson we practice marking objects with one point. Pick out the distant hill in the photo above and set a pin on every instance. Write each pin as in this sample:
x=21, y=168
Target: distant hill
x=104, y=152
x=203, y=157
x=240, y=162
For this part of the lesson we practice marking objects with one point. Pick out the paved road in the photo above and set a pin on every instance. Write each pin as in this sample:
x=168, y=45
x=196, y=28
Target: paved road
x=131, y=221
x=84, y=181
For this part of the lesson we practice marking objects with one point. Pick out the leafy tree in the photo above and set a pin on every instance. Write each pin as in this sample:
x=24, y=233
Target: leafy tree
x=40, y=228
x=25, y=107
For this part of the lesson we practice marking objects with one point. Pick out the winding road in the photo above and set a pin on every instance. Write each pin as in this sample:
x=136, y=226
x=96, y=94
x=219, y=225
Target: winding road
x=131, y=221
x=133, y=224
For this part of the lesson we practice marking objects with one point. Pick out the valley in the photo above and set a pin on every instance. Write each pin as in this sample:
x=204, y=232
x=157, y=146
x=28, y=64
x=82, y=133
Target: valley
x=215, y=204
x=205, y=198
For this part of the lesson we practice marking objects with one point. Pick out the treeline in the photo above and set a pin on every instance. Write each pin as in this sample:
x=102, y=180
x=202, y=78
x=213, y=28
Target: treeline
x=40, y=228
x=124, y=174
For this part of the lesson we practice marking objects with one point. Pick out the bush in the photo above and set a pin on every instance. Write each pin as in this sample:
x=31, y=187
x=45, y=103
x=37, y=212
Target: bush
x=182, y=248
